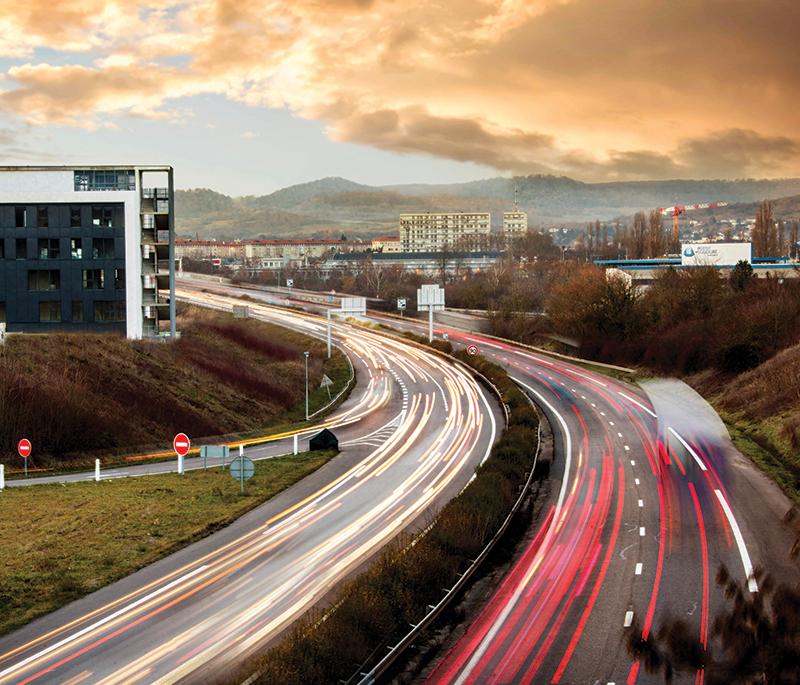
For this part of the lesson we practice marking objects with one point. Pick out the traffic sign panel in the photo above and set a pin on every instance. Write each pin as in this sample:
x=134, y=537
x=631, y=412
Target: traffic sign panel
x=472, y=350
x=24, y=448
x=242, y=468
x=181, y=444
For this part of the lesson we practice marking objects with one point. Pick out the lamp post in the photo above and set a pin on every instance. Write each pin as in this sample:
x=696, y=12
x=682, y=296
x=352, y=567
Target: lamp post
x=306, y=356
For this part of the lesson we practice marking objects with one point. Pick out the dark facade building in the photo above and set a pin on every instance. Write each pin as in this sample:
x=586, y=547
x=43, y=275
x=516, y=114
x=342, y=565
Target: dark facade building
x=86, y=249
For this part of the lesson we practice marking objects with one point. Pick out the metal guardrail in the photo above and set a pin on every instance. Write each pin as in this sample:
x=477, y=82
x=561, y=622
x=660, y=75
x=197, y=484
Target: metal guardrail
x=371, y=676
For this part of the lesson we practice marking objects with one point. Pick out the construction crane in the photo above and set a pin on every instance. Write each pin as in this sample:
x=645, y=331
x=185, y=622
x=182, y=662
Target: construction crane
x=677, y=210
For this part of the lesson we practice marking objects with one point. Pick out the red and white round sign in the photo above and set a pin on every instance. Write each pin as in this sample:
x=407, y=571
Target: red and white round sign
x=24, y=448
x=181, y=444
x=472, y=350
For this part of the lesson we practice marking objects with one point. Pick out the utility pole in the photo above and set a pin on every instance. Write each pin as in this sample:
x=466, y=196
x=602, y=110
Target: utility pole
x=306, y=356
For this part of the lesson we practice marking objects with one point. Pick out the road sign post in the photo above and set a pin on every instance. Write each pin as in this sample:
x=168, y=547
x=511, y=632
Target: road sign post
x=295, y=447
x=326, y=383
x=24, y=449
x=2, y=476
x=97, y=470
x=181, y=444
x=242, y=469
x=430, y=297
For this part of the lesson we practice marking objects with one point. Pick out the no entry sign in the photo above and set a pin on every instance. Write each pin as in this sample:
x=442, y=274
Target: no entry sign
x=472, y=350
x=181, y=444
x=24, y=448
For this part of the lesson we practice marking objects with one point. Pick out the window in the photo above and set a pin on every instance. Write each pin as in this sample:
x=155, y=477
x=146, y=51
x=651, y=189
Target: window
x=22, y=248
x=76, y=248
x=109, y=311
x=49, y=312
x=42, y=217
x=49, y=248
x=103, y=248
x=105, y=179
x=93, y=279
x=20, y=215
x=77, y=311
x=44, y=279
x=119, y=279
x=74, y=217
x=102, y=216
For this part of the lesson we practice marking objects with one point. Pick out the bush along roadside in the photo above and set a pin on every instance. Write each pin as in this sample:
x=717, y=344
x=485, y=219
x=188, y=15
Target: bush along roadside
x=374, y=610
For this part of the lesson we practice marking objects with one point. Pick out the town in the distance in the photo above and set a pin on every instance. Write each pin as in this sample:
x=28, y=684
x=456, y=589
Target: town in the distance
x=403, y=343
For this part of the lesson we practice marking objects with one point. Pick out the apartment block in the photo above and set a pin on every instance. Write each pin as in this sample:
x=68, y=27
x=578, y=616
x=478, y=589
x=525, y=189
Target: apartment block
x=515, y=224
x=87, y=248
x=439, y=231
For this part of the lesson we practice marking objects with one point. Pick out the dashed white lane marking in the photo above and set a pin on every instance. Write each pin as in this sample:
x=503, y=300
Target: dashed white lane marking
x=633, y=462
x=641, y=531
x=627, y=449
x=619, y=435
x=610, y=423
x=593, y=404
x=752, y=585
x=602, y=413
x=636, y=480
x=628, y=619
x=641, y=502
x=638, y=570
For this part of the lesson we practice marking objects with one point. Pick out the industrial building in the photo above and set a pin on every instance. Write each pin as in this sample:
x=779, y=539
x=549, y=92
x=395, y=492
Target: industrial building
x=87, y=248
x=439, y=231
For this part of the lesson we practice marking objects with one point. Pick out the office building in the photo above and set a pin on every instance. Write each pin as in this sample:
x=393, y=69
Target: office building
x=439, y=231
x=87, y=248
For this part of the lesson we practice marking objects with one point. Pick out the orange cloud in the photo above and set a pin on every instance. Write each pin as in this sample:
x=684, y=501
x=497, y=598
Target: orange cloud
x=598, y=90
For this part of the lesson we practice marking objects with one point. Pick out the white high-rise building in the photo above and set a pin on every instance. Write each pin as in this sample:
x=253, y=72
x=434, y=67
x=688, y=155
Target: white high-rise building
x=438, y=231
x=515, y=224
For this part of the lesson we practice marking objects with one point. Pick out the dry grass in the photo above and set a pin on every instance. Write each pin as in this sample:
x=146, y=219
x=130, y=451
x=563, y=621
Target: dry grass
x=762, y=409
x=75, y=394
x=76, y=539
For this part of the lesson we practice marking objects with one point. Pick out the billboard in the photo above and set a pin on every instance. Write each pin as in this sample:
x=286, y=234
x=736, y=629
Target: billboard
x=715, y=254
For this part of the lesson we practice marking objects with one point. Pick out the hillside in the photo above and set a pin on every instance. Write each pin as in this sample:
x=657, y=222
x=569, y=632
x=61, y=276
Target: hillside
x=70, y=393
x=331, y=206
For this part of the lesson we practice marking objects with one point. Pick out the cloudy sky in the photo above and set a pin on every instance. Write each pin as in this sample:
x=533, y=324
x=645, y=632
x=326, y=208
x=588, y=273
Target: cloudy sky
x=246, y=96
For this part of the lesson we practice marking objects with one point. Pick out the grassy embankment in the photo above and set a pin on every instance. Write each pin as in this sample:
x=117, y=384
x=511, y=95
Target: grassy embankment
x=73, y=540
x=77, y=397
x=375, y=609
x=761, y=408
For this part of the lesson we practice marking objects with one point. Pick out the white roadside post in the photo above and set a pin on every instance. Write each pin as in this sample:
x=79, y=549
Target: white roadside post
x=295, y=448
x=97, y=470
x=180, y=464
x=305, y=354
x=430, y=297
x=329, y=334
x=2, y=476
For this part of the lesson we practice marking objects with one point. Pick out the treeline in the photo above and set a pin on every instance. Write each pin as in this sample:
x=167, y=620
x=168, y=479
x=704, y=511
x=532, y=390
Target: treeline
x=686, y=321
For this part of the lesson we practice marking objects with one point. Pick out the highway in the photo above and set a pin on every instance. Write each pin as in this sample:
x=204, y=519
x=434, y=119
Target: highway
x=648, y=501
x=191, y=616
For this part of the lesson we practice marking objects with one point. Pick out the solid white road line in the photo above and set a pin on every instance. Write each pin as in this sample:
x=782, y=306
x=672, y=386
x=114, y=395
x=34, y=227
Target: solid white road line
x=752, y=585
x=689, y=449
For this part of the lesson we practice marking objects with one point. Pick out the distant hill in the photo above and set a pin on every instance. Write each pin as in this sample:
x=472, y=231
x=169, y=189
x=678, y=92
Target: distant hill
x=331, y=206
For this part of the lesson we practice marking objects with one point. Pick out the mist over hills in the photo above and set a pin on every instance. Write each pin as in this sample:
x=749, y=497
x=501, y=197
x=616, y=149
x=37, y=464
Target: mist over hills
x=329, y=207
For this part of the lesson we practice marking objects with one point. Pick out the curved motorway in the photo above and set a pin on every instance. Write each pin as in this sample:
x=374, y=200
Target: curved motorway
x=194, y=614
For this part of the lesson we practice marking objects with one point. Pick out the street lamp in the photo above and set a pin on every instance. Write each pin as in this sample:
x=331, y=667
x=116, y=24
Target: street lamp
x=306, y=356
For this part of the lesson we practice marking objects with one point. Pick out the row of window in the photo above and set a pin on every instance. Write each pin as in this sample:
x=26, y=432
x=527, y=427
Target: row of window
x=103, y=311
x=101, y=216
x=50, y=248
x=42, y=280
x=105, y=179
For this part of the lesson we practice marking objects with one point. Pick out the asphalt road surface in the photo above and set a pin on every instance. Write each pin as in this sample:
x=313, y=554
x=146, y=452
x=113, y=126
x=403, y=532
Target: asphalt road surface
x=650, y=500
x=192, y=615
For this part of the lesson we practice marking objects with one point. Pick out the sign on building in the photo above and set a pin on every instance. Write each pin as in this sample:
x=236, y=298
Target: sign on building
x=715, y=254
